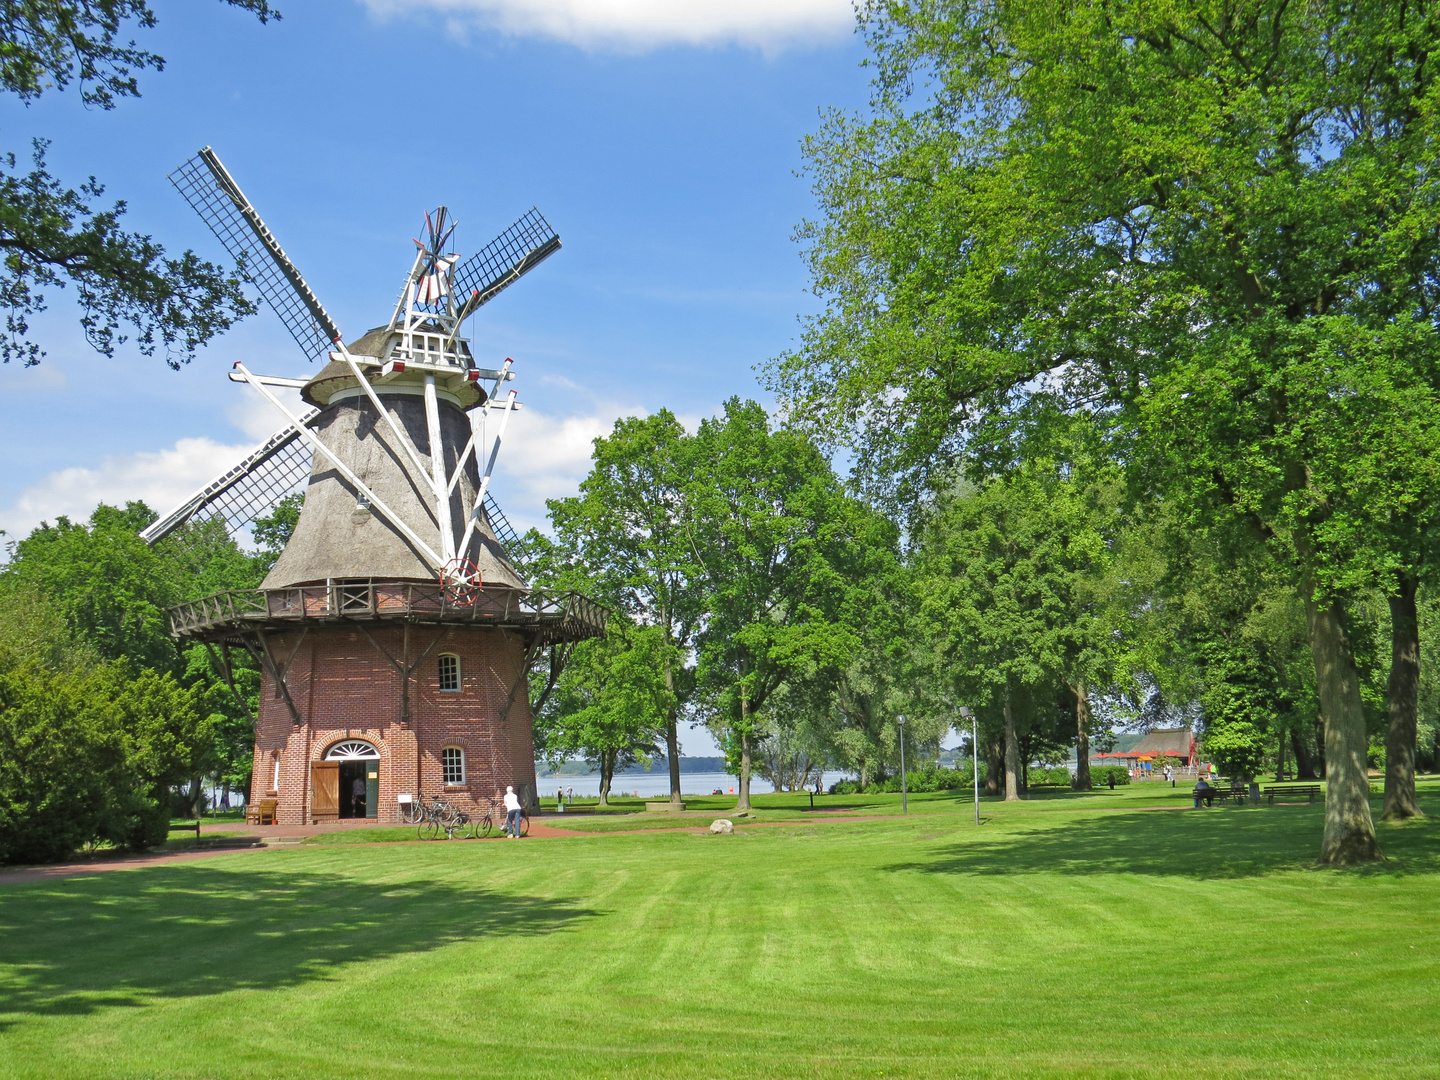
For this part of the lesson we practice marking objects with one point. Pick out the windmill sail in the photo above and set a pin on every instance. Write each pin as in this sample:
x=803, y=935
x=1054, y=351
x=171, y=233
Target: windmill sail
x=279, y=466
x=214, y=195
x=248, y=489
x=503, y=261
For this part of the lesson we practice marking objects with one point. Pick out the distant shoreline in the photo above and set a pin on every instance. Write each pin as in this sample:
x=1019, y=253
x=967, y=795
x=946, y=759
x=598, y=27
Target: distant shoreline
x=659, y=765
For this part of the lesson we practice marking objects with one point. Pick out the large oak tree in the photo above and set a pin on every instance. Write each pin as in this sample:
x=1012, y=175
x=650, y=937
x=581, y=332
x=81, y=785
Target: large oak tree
x=1217, y=218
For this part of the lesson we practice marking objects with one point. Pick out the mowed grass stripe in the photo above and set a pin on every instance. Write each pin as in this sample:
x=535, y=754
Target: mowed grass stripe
x=1042, y=944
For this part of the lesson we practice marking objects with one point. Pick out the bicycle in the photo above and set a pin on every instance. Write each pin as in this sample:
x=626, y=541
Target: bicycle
x=437, y=817
x=486, y=825
x=412, y=812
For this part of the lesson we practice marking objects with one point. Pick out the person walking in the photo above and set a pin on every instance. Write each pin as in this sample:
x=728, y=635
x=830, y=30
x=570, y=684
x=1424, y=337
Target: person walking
x=512, y=813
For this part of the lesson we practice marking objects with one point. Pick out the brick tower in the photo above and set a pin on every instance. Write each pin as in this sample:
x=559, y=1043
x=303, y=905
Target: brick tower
x=394, y=633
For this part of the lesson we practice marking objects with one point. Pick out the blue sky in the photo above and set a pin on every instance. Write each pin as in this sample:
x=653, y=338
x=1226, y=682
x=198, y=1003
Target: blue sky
x=661, y=139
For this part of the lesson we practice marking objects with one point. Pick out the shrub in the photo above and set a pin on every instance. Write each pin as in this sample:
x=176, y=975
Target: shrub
x=88, y=757
x=1100, y=775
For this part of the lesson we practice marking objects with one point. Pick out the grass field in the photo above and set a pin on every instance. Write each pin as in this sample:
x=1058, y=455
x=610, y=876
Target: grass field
x=1053, y=941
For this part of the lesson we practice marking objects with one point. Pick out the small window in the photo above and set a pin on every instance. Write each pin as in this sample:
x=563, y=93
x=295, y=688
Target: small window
x=449, y=672
x=453, y=759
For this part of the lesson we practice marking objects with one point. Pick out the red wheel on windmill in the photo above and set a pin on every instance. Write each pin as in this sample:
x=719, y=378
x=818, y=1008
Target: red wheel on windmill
x=461, y=581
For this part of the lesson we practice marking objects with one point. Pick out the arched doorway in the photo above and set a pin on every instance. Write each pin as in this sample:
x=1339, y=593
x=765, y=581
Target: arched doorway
x=347, y=782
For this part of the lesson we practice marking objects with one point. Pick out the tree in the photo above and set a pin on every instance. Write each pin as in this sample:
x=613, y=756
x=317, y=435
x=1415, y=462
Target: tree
x=113, y=589
x=630, y=531
x=1218, y=222
x=611, y=701
x=1002, y=572
x=783, y=551
x=51, y=235
x=110, y=586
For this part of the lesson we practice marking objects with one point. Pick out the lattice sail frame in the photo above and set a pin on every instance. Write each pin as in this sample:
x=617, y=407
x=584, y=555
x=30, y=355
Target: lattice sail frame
x=437, y=297
x=213, y=194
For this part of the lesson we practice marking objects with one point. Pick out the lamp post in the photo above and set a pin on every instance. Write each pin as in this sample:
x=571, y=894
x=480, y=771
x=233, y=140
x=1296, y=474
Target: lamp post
x=965, y=713
x=904, y=795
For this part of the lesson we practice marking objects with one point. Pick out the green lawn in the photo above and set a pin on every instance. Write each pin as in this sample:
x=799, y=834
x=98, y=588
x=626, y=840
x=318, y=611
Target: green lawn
x=1052, y=941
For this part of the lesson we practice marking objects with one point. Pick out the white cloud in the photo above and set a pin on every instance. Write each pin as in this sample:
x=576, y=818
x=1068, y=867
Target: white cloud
x=546, y=457
x=642, y=24
x=257, y=418
x=161, y=478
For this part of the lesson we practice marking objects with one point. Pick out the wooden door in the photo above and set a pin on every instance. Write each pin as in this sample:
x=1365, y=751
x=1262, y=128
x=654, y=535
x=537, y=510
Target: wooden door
x=324, y=790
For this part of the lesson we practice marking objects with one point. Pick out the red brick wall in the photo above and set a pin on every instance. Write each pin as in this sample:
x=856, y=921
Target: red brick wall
x=344, y=689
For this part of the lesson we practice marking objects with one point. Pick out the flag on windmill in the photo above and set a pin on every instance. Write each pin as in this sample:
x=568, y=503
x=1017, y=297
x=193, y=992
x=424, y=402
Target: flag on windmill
x=434, y=283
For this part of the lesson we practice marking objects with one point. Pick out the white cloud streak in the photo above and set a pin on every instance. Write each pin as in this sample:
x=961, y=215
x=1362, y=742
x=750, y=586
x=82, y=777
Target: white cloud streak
x=160, y=478
x=635, y=25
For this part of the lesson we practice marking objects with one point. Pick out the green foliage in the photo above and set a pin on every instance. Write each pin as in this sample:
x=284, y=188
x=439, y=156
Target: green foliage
x=611, y=702
x=1236, y=747
x=110, y=586
x=1100, y=775
x=84, y=644
x=1218, y=231
x=272, y=531
x=788, y=561
x=89, y=756
x=50, y=234
x=50, y=43
x=61, y=765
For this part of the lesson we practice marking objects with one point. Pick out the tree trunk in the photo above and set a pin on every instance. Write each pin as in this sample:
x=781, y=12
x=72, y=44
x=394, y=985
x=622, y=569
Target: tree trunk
x=1082, y=738
x=1320, y=745
x=1304, y=762
x=994, y=767
x=1280, y=758
x=1349, y=829
x=1403, y=695
x=743, y=802
x=197, y=796
x=607, y=773
x=672, y=733
x=1012, y=754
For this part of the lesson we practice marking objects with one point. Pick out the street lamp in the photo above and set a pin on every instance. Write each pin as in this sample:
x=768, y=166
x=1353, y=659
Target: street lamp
x=966, y=714
x=904, y=795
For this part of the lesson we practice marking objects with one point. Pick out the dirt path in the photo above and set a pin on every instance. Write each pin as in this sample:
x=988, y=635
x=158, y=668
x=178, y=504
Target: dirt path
x=22, y=874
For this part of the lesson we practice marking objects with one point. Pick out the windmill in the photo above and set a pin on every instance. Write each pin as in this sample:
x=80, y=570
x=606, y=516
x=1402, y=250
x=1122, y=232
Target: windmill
x=398, y=540
x=422, y=338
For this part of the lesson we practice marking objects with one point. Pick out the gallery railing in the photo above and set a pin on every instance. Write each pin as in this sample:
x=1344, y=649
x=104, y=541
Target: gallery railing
x=563, y=615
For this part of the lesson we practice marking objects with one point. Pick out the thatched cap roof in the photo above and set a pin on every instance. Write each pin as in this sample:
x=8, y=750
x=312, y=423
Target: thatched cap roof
x=337, y=537
x=377, y=345
x=1165, y=741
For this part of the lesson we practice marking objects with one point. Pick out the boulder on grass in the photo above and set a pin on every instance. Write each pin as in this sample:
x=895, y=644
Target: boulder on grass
x=722, y=827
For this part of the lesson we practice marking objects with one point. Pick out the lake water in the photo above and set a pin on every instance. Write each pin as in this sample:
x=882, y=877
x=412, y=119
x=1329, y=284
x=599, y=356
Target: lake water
x=657, y=785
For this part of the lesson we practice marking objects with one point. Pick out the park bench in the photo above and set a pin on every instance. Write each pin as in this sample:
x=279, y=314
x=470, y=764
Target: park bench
x=1308, y=790
x=261, y=813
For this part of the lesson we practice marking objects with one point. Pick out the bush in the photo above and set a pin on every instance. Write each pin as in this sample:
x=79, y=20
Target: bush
x=917, y=781
x=1100, y=775
x=1058, y=776
x=89, y=757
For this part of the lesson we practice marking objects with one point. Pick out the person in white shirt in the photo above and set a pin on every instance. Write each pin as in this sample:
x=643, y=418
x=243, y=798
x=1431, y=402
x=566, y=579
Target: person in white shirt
x=512, y=813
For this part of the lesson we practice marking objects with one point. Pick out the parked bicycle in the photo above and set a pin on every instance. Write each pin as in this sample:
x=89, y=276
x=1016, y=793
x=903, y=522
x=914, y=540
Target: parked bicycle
x=440, y=816
x=486, y=825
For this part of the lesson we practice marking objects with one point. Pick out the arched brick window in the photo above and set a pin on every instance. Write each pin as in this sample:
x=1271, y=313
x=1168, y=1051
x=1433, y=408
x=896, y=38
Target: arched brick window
x=452, y=760
x=449, y=672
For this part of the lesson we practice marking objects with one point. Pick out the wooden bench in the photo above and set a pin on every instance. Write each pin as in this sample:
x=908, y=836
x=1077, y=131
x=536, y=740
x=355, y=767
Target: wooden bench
x=261, y=813
x=1220, y=795
x=1308, y=790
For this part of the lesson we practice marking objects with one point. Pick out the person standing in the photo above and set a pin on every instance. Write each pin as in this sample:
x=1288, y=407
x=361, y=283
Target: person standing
x=512, y=813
